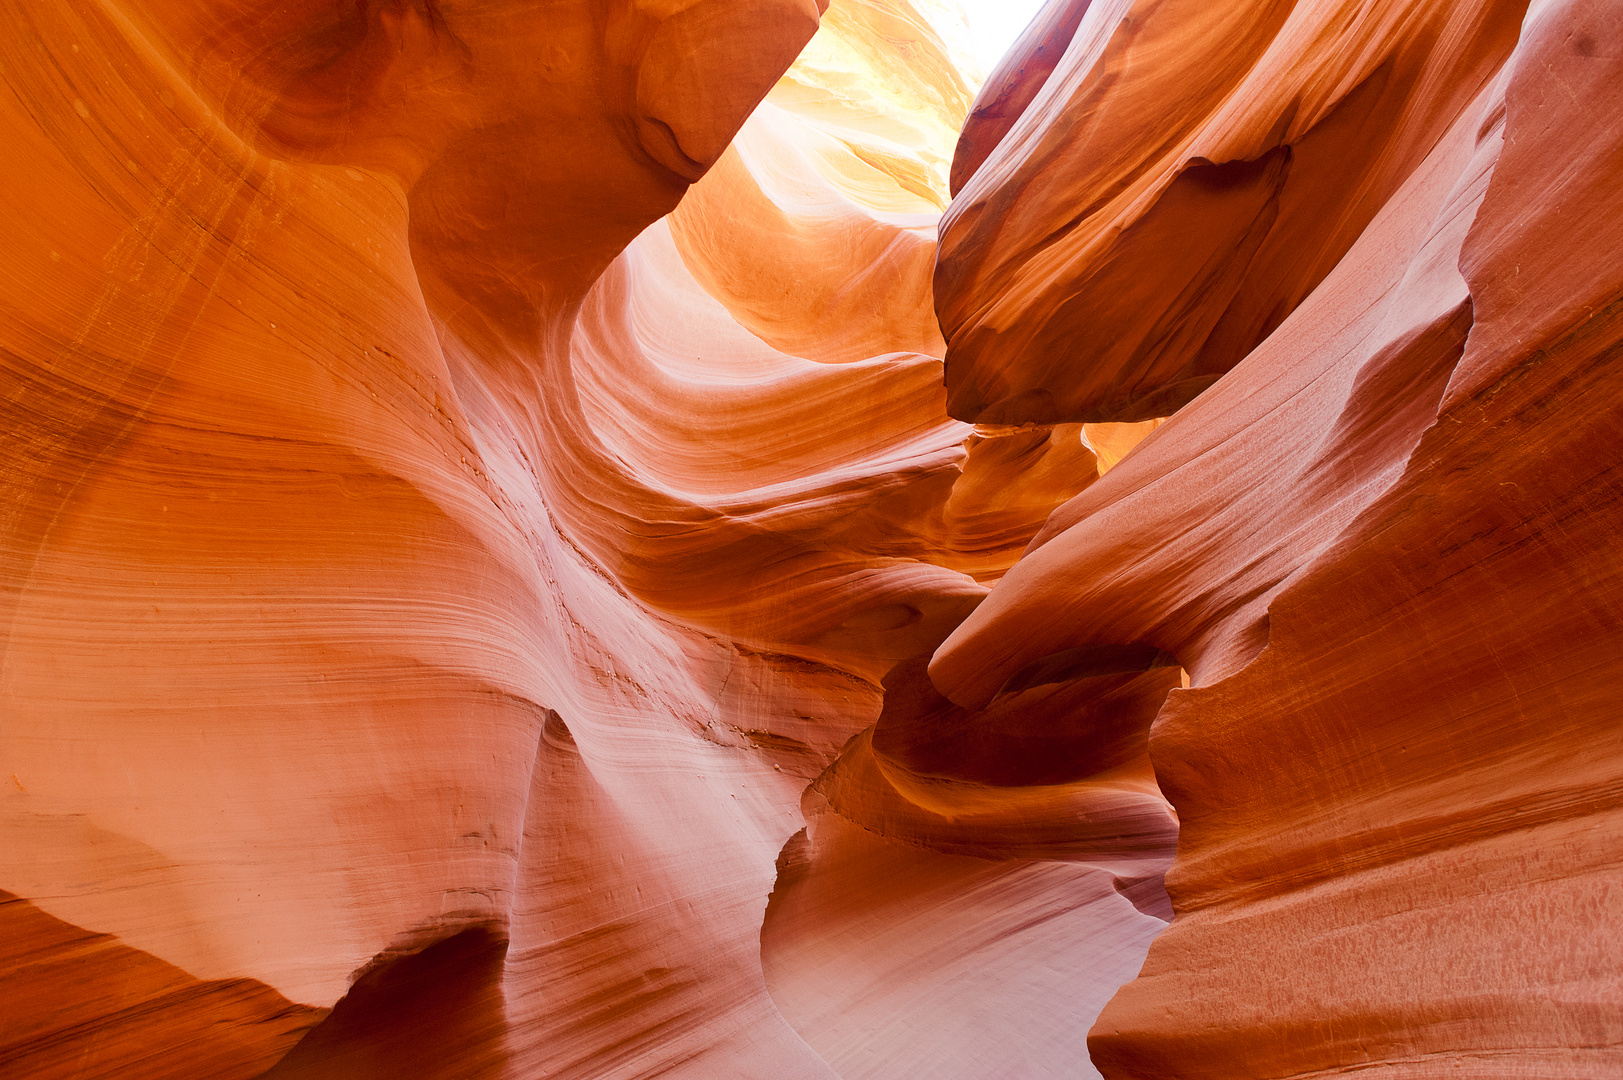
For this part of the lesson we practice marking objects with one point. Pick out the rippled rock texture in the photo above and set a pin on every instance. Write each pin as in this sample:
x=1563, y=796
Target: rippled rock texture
x=1376, y=240
x=499, y=578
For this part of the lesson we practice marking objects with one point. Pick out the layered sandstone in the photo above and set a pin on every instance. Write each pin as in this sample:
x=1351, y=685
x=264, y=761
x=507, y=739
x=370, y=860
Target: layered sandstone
x=1382, y=543
x=431, y=578
x=521, y=557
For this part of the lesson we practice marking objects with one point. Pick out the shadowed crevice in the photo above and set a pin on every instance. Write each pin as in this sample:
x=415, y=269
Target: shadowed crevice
x=437, y=1014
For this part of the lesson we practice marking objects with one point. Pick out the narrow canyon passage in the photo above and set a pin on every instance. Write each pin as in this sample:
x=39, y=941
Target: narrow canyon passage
x=720, y=538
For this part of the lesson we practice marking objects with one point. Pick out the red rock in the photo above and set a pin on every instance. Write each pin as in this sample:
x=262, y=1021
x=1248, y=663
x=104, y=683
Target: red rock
x=1473, y=876
x=891, y=958
x=1380, y=545
x=105, y=999
x=472, y=529
x=1014, y=85
x=425, y=602
x=1189, y=173
x=290, y=585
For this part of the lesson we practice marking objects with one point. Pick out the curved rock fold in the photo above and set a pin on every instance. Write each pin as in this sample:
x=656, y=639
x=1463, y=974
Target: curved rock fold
x=673, y=537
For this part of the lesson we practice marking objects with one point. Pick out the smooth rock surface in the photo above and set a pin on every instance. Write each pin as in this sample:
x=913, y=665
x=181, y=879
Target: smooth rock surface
x=431, y=579
x=1383, y=544
x=589, y=541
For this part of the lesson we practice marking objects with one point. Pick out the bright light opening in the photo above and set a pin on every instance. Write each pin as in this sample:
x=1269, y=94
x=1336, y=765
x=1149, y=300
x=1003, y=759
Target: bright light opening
x=993, y=26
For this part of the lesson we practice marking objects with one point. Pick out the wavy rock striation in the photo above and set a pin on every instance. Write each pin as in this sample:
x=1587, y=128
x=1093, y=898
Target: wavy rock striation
x=1379, y=541
x=432, y=576
x=569, y=541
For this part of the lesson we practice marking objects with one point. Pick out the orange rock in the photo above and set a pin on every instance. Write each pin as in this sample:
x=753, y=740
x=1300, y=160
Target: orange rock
x=105, y=1000
x=1449, y=885
x=1014, y=85
x=485, y=508
x=1189, y=173
x=291, y=582
x=1380, y=544
x=426, y=603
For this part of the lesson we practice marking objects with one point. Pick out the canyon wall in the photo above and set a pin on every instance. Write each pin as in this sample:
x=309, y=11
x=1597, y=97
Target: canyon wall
x=1374, y=244
x=586, y=541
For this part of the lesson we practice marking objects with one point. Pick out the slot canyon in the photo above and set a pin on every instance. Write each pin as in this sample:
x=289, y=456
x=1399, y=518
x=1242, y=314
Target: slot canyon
x=709, y=539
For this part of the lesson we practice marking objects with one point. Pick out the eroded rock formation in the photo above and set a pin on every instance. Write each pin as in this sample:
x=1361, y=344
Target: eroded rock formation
x=490, y=498
x=1382, y=544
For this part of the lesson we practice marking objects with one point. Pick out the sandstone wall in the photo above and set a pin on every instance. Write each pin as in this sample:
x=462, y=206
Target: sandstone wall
x=566, y=541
